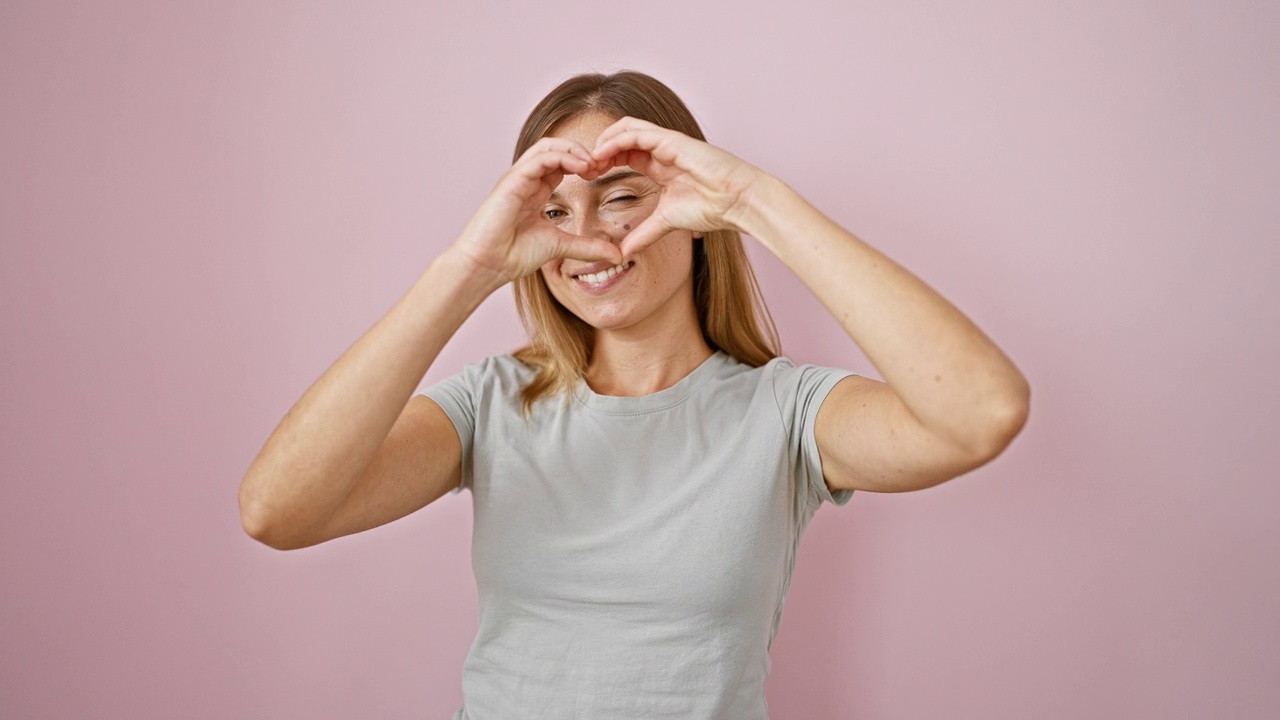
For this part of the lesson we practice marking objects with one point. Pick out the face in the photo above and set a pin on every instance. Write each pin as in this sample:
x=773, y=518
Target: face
x=654, y=285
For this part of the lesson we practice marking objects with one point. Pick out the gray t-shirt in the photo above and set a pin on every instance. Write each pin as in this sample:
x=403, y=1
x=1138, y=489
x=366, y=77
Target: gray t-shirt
x=632, y=554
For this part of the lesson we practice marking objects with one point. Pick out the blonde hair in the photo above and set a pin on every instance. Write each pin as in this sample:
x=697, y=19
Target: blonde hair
x=731, y=310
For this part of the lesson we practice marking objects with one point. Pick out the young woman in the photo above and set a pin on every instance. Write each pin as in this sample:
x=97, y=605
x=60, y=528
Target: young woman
x=642, y=471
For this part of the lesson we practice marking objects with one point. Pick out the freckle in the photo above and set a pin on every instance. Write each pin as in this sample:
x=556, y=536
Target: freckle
x=937, y=378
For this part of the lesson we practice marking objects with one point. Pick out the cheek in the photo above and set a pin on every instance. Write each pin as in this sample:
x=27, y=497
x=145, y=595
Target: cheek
x=551, y=274
x=625, y=218
x=553, y=279
x=675, y=253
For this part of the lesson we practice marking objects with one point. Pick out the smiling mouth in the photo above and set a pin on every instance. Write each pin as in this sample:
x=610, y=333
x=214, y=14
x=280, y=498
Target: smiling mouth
x=605, y=275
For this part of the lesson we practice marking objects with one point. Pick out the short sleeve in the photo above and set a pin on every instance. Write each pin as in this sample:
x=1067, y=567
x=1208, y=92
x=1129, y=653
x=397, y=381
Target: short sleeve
x=456, y=395
x=800, y=391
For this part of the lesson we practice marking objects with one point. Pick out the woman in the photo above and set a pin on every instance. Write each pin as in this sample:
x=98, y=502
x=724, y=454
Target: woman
x=643, y=470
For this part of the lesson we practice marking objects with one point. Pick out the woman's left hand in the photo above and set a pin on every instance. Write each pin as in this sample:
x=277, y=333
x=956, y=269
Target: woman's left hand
x=704, y=188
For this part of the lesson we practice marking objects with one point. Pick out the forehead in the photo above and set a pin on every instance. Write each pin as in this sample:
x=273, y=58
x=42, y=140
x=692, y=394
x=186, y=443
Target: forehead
x=583, y=128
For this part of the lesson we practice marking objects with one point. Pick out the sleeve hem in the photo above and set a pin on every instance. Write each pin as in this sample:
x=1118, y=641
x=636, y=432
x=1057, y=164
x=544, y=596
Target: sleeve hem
x=818, y=485
x=451, y=412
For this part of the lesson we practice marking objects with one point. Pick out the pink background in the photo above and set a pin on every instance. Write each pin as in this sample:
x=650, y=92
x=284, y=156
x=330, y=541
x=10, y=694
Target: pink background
x=203, y=206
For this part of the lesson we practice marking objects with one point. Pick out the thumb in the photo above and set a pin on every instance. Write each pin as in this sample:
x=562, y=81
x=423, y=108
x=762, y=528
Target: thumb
x=644, y=235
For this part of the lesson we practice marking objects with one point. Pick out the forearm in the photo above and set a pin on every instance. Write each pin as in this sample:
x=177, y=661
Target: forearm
x=316, y=454
x=944, y=368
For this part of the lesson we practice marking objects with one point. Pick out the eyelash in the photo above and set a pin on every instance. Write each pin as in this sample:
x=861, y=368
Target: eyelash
x=620, y=198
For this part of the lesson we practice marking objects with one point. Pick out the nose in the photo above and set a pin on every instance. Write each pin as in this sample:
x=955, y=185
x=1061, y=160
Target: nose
x=591, y=224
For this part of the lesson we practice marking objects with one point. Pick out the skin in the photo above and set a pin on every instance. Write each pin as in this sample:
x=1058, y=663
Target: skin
x=647, y=333
x=952, y=401
x=359, y=449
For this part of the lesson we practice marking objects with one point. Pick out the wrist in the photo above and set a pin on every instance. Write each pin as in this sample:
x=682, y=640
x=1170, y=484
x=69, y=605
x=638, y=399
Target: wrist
x=463, y=279
x=756, y=212
x=465, y=270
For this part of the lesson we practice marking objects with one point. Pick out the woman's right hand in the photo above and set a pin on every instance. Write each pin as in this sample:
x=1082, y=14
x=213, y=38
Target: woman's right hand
x=509, y=236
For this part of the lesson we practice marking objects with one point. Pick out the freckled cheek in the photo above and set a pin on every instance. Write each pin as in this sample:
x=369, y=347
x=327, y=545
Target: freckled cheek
x=625, y=219
x=555, y=282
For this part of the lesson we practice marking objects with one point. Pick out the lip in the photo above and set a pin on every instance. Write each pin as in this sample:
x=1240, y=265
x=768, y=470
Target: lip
x=598, y=288
x=594, y=268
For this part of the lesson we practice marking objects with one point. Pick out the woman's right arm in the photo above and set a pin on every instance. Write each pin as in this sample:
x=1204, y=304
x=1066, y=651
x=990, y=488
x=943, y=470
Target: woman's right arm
x=351, y=454
x=357, y=451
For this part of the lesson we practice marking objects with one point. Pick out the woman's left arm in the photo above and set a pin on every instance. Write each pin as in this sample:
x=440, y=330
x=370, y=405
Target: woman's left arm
x=952, y=401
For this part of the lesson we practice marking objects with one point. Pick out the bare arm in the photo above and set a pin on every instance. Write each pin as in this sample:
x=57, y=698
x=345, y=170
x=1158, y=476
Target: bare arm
x=293, y=491
x=356, y=451
x=953, y=400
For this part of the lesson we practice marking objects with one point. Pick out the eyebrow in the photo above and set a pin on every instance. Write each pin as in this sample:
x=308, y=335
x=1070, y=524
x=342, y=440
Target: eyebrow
x=607, y=179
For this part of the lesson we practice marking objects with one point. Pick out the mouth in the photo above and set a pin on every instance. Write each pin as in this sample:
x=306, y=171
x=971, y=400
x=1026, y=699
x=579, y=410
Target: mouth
x=603, y=279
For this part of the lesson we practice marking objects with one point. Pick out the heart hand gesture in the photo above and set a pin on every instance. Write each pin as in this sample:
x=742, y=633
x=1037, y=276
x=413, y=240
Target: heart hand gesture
x=704, y=188
x=509, y=236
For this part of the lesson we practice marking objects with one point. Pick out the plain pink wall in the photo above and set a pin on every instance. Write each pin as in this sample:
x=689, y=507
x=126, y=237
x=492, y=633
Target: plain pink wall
x=203, y=204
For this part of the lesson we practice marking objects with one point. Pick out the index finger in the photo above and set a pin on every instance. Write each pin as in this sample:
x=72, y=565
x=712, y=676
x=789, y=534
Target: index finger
x=623, y=124
x=544, y=161
x=654, y=142
x=638, y=160
x=552, y=144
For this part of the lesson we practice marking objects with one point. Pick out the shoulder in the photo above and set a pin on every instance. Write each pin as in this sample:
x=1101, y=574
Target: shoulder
x=731, y=368
x=501, y=370
x=506, y=367
x=781, y=372
x=788, y=377
x=800, y=388
x=480, y=382
x=781, y=382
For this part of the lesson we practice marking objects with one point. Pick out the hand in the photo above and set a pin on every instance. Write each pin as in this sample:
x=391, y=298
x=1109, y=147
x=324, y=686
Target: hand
x=703, y=187
x=510, y=237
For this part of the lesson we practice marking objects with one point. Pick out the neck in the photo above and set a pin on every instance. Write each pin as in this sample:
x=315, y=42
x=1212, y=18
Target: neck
x=631, y=364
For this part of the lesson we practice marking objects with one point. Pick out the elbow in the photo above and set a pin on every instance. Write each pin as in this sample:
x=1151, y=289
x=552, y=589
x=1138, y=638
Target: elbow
x=259, y=524
x=1003, y=423
x=984, y=433
x=269, y=534
x=255, y=525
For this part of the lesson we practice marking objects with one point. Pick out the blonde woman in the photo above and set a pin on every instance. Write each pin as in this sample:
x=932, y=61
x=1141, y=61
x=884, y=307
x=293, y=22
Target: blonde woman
x=641, y=473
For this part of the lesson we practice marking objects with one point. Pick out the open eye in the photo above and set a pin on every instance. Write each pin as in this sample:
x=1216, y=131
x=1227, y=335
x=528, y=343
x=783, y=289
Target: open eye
x=554, y=214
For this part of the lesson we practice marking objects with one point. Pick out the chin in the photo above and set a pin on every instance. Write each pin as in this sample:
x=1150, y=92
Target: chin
x=608, y=318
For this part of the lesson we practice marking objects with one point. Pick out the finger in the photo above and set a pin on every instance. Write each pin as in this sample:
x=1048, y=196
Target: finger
x=634, y=159
x=644, y=163
x=595, y=168
x=542, y=164
x=654, y=156
x=644, y=235
x=548, y=144
x=658, y=142
x=586, y=249
x=601, y=165
x=549, y=182
x=623, y=124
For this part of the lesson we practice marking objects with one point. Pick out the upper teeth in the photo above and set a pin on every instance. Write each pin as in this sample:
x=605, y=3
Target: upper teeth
x=604, y=274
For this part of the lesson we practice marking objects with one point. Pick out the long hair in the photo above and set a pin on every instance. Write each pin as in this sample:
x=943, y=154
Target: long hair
x=731, y=310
